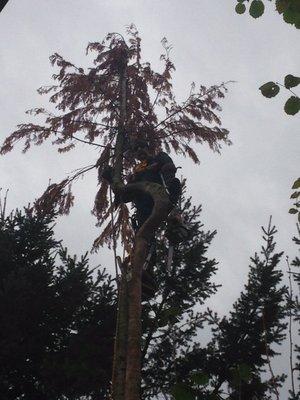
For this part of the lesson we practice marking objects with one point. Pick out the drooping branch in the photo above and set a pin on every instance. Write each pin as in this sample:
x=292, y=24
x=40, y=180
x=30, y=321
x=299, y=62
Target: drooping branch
x=192, y=98
x=59, y=194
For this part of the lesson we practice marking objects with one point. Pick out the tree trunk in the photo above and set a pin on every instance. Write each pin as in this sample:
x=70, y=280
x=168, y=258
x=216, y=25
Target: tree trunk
x=133, y=370
x=120, y=348
x=130, y=309
x=141, y=248
x=119, y=148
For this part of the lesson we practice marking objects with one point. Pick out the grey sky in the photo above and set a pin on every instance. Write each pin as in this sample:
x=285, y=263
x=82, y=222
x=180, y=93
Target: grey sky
x=211, y=44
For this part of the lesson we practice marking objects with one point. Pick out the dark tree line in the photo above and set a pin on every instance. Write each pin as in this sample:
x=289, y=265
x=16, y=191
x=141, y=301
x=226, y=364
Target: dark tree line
x=56, y=316
x=58, y=319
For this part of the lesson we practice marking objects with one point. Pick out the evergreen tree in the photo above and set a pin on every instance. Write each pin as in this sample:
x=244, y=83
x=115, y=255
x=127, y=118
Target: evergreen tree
x=57, y=321
x=294, y=314
x=63, y=345
x=233, y=362
x=170, y=320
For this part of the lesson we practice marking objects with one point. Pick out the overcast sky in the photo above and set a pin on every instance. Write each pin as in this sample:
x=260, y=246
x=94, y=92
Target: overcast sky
x=238, y=189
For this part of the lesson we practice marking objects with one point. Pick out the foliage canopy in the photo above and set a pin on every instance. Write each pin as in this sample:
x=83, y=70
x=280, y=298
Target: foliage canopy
x=87, y=107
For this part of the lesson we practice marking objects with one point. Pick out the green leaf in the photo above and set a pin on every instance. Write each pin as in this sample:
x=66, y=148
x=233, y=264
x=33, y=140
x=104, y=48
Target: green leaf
x=291, y=81
x=269, y=89
x=200, y=379
x=294, y=5
x=292, y=106
x=257, y=8
x=289, y=16
x=240, y=8
x=295, y=195
x=293, y=211
x=296, y=184
x=281, y=6
x=182, y=392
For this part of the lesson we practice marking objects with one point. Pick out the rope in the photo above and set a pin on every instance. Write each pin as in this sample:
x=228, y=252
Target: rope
x=113, y=235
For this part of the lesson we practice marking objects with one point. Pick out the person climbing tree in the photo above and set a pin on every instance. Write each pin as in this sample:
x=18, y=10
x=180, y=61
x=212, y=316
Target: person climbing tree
x=158, y=168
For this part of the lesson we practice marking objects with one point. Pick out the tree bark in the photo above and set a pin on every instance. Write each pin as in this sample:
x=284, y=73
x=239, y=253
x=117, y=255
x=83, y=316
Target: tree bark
x=143, y=237
x=120, y=348
x=141, y=248
x=132, y=347
x=133, y=368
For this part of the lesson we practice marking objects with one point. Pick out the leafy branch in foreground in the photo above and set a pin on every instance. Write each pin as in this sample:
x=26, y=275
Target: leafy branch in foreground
x=296, y=197
x=289, y=9
x=271, y=89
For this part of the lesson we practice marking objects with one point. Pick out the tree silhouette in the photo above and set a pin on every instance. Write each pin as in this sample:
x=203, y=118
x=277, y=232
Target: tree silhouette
x=63, y=345
x=116, y=101
x=57, y=315
x=233, y=363
x=3, y=4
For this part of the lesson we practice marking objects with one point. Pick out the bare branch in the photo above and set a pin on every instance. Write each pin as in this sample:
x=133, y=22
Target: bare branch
x=92, y=143
x=95, y=123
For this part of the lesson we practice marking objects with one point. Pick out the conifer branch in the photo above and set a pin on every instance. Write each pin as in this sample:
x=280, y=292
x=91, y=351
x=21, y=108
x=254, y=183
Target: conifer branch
x=152, y=330
x=290, y=302
x=188, y=102
x=273, y=379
